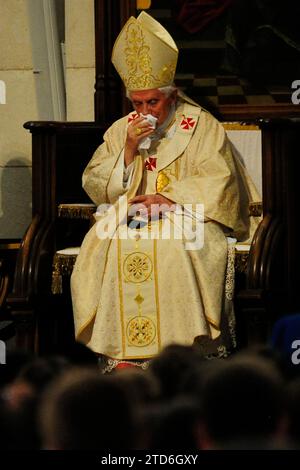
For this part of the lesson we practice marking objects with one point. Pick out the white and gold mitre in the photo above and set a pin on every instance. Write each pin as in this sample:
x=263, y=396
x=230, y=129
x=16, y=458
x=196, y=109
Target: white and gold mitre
x=144, y=54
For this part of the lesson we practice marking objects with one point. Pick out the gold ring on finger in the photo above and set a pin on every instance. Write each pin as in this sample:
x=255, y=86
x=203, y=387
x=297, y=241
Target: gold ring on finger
x=138, y=131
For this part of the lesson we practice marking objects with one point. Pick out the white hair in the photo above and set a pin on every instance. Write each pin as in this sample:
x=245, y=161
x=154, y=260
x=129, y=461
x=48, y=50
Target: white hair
x=166, y=90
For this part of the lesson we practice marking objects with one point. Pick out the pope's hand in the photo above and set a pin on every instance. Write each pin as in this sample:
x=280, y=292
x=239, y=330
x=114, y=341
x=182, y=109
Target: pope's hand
x=151, y=204
x=137, y=131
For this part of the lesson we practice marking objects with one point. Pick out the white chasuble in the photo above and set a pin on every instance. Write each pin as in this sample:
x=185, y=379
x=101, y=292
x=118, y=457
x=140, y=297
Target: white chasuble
x=136, y=292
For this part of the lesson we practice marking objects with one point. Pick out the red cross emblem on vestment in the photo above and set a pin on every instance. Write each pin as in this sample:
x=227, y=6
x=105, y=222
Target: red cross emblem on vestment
x=132, y=117
x=150, y=163
x=187, y=123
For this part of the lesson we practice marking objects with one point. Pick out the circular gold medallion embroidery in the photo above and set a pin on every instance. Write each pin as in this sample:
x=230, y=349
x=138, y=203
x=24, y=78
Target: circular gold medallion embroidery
x=137, y=267
x=140, y=331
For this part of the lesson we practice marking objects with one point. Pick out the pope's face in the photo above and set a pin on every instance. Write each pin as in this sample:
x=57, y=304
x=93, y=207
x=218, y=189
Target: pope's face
x=153, y=102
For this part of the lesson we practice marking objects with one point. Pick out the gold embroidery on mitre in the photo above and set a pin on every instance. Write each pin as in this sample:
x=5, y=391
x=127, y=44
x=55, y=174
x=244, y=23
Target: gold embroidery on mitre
x=137, y=267
x=162, y=181
x=167, y=72
x=140, y=331
x=138, y=60
x=137, y=55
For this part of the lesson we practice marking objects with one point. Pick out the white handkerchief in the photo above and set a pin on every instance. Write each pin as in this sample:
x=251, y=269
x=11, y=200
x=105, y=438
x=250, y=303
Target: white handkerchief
x=146, y=142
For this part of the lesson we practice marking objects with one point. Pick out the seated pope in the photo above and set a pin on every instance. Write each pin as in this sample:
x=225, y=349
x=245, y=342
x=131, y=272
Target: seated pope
x=156, y=267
